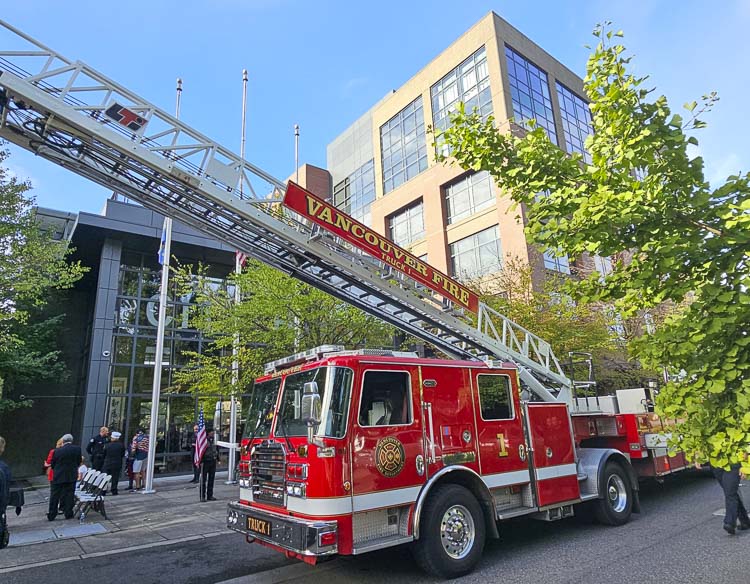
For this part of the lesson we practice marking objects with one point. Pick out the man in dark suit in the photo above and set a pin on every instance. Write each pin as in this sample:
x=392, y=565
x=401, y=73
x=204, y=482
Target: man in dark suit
x=65, y=462
x=114, y=454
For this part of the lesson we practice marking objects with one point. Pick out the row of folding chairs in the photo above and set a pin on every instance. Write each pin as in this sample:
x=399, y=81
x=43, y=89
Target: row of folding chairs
x=90, y=493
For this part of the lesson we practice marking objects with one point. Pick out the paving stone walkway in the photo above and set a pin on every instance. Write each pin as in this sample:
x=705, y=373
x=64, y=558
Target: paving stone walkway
x=173, y=513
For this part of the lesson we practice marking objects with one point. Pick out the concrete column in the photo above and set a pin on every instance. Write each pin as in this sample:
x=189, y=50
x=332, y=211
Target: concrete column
x=100, y=358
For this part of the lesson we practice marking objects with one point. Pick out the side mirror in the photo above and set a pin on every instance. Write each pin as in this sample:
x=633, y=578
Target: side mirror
x=311, y=408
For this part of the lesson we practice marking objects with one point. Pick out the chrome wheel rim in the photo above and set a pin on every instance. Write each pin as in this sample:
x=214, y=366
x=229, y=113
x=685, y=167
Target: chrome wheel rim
x=617, y=493
x=457, y=532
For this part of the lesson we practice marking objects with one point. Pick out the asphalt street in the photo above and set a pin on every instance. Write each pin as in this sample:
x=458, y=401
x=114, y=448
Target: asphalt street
x=677, y=538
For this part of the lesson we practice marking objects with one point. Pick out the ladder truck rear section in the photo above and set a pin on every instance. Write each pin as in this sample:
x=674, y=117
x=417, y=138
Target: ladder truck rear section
x=347, y=452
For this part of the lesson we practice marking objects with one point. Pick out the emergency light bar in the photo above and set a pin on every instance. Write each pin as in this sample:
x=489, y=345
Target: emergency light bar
x=374, y=353
x=301, y=357
x=329, y=351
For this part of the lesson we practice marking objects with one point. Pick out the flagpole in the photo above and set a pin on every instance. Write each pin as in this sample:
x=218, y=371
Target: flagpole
x=156, y=387
x=232, y=462
x=296, y=153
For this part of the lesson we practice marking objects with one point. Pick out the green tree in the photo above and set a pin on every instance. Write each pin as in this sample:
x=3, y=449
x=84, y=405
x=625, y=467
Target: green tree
x=549, y=312
x=643, y=192
x=32, y=264
x=278, y=315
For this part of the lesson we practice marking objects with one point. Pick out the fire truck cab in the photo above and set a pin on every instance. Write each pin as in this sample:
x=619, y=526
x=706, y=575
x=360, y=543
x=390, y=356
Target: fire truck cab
x=346, y=452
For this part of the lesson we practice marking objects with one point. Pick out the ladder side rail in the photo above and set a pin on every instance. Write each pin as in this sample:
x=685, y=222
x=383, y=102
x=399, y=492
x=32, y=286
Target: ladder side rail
x=441, y=322
x=530, y=339
x=82, y=127
x=136, y=193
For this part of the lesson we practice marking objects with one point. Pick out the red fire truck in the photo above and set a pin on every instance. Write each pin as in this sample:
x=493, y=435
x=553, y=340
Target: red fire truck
x=350, y=451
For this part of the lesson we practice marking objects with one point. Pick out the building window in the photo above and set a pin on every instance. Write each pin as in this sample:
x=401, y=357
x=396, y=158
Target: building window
x=529, y=89
x=556, y=263
x=403, y=146
x=576, y=121
x=495, y=397
x=468, y=83
x=355, y=193
x=468, y=196
x=477, y=255
x=407, y=225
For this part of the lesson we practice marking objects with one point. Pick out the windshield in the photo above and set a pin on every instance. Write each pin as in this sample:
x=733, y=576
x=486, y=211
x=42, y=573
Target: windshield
x=291, y=402
x=262, y=402
x=336, y=403
x=334, y=385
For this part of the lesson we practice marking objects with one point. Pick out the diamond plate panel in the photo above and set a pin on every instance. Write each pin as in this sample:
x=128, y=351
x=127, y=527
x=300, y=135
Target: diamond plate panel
x=372, y=525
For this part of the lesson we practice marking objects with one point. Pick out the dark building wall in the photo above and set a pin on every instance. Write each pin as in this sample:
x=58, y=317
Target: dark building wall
x=57, y=403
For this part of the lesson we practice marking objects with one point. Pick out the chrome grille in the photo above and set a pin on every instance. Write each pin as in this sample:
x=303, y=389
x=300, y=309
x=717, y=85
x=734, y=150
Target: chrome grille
x=268, y=472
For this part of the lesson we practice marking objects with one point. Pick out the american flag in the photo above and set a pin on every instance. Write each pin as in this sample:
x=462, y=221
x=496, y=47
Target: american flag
x=200, y=440
x=241, y=258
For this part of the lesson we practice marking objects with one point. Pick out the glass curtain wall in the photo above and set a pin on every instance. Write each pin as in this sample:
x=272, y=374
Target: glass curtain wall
x=133, y=361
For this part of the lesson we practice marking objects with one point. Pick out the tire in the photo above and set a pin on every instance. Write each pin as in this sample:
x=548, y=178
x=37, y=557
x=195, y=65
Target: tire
x=451, y=533
x=616, y=505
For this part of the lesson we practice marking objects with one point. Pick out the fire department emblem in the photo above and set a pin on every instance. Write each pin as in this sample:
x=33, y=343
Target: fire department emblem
x=389, y=457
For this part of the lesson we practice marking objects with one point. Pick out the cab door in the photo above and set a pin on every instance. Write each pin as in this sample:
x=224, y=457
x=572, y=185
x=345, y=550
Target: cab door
x=502, y=445
x=387, y=446
x=553, y=453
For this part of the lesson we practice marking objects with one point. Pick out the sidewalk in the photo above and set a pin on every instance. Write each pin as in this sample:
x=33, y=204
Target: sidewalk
x=170, y=515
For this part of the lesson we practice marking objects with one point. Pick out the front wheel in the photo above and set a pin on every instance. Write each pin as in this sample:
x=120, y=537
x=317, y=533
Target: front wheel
x=616, y=506
x=452, y=533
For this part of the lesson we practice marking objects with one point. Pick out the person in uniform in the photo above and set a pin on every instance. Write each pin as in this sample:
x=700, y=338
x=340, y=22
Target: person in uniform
x=114, y=454
x=65, y=461
x=208, y=462
x=734, y=508
x=95, y=448
x=5, y=478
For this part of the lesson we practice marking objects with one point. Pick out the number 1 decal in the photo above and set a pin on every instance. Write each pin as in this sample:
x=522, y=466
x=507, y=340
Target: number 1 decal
x=501, y=442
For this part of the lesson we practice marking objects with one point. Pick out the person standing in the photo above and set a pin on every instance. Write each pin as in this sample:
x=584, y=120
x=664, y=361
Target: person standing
x=196, y=469
x=114, y=453
x=210, y=458
x=95, y=448
x=129, y=460
x=734, y=508
x=139, y=448
x=65, y=461
x=48, y=461
x=5, y=479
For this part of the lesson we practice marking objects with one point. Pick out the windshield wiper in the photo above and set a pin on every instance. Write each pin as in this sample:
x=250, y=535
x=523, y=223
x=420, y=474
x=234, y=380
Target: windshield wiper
x=259, y=424
x=285, y=433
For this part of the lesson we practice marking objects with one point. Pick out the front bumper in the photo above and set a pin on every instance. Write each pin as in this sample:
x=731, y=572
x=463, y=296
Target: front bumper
x=308, y=538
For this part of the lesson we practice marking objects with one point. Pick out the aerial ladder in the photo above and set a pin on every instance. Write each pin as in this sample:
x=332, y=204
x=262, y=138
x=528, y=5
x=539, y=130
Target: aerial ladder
x=74, y=116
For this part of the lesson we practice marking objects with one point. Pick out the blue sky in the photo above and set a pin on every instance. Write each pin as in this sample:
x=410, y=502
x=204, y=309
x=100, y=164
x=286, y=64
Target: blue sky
x=323, y=63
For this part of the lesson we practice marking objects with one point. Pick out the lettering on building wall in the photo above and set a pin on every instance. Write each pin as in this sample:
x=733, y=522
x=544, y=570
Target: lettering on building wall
x=152, y=314
x=361, y=236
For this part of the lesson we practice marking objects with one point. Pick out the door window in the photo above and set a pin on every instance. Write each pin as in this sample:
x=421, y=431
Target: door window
x=495, y=397
x=386, y=399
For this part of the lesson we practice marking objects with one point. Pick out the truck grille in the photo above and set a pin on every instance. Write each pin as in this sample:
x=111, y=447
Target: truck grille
x=268, y=472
